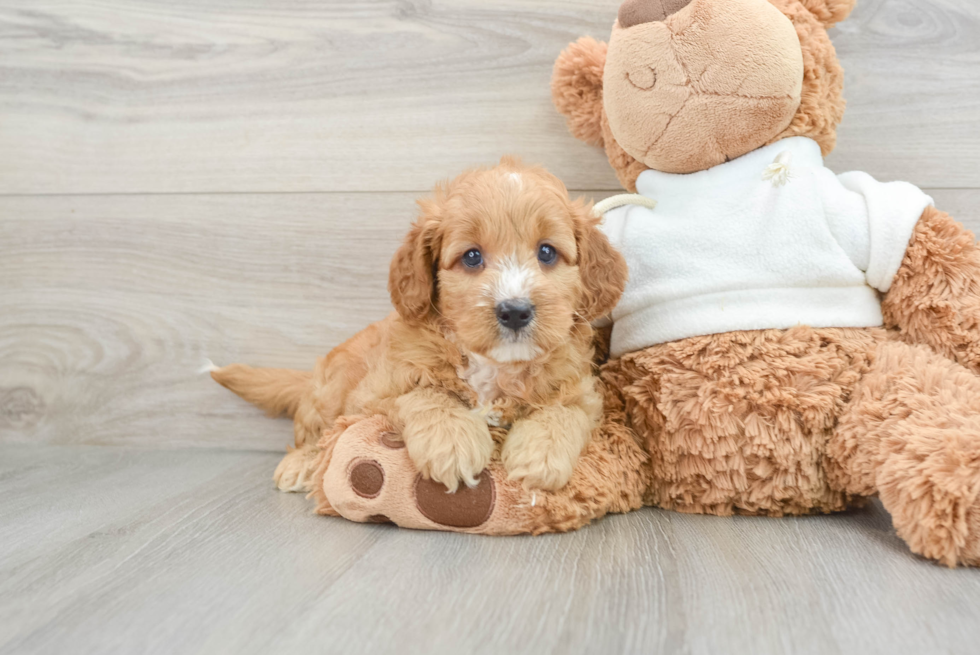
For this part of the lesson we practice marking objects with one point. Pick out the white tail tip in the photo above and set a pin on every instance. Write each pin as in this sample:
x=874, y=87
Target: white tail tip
x=207, y=367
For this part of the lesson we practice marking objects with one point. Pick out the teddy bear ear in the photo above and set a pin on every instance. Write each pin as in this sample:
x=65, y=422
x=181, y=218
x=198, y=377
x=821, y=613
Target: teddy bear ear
x=576, y=88
x=829, y=12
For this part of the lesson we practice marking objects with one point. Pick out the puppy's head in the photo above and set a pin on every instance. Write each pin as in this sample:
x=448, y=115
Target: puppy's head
x=504, y=260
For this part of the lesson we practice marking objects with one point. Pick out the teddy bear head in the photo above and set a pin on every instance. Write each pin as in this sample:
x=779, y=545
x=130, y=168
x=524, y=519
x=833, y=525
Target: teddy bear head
x=684, y=85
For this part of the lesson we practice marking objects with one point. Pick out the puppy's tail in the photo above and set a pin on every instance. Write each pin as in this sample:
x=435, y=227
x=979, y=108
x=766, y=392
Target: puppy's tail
x=276, y=390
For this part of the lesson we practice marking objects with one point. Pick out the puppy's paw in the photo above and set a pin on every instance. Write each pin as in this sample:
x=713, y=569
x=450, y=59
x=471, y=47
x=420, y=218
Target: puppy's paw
x=295, y=471
x=457, y=449
x=532, y=455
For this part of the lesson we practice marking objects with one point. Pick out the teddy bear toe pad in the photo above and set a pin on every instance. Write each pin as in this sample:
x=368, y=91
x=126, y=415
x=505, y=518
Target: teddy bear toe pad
x=469, y=507
x=366, y=478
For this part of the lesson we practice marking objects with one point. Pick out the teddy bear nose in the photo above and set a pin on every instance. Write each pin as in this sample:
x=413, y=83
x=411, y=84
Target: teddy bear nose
x=637, y=12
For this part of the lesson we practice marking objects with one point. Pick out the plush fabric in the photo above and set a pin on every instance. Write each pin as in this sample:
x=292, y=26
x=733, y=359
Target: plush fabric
x=728, y=249
x=935, y=298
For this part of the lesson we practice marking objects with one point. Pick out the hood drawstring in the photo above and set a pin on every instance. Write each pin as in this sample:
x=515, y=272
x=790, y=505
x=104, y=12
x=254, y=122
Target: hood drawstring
x=621, y=200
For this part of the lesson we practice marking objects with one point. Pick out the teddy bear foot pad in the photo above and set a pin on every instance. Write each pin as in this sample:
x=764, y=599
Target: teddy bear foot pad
x=370, y=479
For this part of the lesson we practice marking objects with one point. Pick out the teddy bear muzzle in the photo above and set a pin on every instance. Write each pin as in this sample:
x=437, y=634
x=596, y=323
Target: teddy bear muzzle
x=673, y=107
x=637, y=12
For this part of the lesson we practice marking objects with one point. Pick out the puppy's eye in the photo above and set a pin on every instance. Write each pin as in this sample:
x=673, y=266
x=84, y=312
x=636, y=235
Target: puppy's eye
x=472, y=258
x=547, y=255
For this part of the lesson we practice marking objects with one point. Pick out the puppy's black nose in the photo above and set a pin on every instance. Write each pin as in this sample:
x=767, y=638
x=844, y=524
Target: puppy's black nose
x=515, y=314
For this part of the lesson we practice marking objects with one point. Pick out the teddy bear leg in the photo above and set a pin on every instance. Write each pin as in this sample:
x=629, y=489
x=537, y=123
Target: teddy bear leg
x=364, y=474
x=911, y=433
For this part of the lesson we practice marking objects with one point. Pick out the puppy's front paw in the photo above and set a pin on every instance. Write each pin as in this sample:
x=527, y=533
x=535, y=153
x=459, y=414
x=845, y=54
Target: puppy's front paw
x=295, y=471
x=532, y=455
x=454, y=450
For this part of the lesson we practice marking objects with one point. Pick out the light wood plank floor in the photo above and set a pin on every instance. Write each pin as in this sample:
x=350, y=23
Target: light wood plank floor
x=191, y=179
x=111, y=550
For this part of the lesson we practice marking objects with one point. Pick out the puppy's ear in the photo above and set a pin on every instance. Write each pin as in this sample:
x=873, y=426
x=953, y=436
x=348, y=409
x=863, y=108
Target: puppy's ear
x=602, y=269
x=411, y=279
x=576, y=88
x=829, y=12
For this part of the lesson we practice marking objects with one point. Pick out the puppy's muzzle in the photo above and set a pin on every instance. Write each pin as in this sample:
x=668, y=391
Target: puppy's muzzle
x=514, y=314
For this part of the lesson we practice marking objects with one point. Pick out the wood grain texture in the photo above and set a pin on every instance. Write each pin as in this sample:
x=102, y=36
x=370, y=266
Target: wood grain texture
x=131, y=96
x=111, y=305
x=106, y=550
x=913, y=91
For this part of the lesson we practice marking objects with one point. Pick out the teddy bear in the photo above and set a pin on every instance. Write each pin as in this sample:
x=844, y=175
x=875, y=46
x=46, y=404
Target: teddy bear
x=791, y=341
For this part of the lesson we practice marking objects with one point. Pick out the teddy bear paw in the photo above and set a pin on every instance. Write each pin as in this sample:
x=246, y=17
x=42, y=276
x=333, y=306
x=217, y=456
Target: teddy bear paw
x=371, y=479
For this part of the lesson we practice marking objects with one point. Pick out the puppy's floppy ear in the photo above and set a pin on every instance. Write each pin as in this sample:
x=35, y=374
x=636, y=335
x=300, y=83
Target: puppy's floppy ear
x=411, y=279
x=829, y=12
x=576, y=88
x=601, y=267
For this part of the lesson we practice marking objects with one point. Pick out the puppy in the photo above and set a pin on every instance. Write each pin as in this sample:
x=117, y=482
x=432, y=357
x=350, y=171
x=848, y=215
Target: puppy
x=494, y=289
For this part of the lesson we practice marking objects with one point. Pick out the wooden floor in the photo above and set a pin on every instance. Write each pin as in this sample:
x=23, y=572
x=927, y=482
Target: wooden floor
x=185, y=180
x=114, y=550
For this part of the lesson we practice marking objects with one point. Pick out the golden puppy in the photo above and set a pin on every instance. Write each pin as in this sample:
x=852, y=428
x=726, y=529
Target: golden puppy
x=495, y=287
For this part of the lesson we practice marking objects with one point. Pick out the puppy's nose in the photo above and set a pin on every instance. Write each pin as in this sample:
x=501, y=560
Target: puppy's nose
x=515, y=314
x=636, y=12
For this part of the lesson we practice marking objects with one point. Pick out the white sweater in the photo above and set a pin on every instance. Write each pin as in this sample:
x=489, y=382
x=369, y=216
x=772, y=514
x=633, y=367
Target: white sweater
x=727, y=249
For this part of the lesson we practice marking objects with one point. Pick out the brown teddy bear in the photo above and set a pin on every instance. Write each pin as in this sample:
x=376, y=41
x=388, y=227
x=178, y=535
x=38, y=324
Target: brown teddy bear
x=791, y=341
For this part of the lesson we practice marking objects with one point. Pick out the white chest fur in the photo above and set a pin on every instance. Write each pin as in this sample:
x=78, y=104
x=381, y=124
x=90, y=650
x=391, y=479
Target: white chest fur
x=481, y=374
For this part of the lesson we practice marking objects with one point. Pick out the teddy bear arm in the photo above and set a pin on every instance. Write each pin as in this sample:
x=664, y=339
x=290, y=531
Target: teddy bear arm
x=934, y=299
